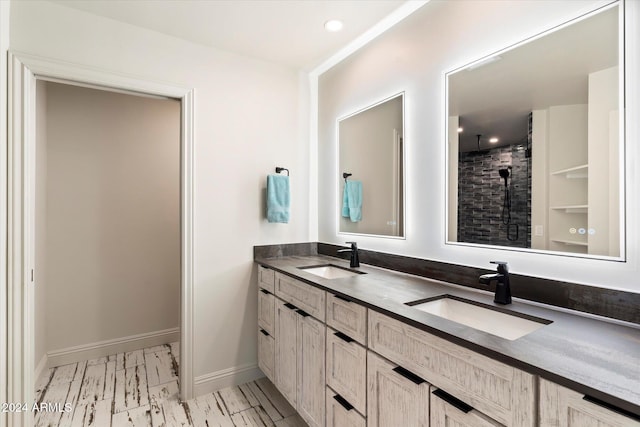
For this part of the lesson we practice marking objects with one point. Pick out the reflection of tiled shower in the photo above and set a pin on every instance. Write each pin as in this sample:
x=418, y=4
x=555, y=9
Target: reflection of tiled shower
x=481, y=196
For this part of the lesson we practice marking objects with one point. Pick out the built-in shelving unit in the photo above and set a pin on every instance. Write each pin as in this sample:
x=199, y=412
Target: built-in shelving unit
x=576, y=172
x=572, y=208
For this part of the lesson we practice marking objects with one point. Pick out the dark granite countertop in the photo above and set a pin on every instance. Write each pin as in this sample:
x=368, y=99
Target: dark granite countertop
x=593, y=356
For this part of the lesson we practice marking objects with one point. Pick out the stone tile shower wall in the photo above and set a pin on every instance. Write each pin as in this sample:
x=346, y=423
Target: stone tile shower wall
x=481, y=196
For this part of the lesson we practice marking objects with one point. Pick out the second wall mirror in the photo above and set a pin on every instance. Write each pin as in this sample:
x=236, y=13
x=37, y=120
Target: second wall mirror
x=536, y=142
x=371, y=170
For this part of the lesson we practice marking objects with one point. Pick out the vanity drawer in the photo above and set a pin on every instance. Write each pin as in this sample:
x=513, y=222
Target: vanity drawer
x=266, y=278
x=266, y=310
x=347, y=317
x=339, y=413
x=266, y=353
x=560, y=406
x=500, y=391
x=347, y=369
x=303, y=296
x=444, y=414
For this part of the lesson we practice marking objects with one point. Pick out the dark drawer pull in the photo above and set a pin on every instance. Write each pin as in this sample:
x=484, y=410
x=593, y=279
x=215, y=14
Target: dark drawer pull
x=409, y=375
x=290, y=306
x=264, y=291
x=343, y=337
x=340, y=297
x=342, y=401
x=302, y=313
x=453, y=401
x=265, y=333
x=611, y=407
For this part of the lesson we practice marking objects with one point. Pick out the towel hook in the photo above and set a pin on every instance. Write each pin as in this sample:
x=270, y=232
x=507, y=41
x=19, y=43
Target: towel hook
x=346, y=175
x=279, y=169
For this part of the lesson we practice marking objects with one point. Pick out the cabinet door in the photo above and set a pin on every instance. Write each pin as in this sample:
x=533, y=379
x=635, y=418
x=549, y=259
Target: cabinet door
x=395, y=400
x=562, y=407
x=266, y=311
x=266, y=353
x=340, y=413
x=444, y=414
x=311, y=370
x=286, y=350
x=347, y=369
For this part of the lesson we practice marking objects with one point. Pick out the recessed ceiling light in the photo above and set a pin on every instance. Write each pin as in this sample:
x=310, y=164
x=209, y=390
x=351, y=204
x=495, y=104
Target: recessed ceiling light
x=333, y=25
x=460, y=130
x=493, y=140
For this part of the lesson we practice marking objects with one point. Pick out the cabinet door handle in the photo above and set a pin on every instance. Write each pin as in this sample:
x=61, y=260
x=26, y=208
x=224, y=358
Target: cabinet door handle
x=453, y=401
x=265, y=333
x=409, y=375
x=264, y=291
x=340, y=297
x=342, y=401
x=290, y=306
x=610, y=407
x=302, y=313
x=343, y=337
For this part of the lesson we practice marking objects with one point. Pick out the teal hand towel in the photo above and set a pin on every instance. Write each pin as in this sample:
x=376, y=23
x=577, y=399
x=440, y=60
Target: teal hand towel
x=278, y=198
x=352, y=200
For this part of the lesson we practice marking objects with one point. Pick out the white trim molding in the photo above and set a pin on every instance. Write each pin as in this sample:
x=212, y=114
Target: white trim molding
x=229, y=377
x=24, y=70
x=108, y=347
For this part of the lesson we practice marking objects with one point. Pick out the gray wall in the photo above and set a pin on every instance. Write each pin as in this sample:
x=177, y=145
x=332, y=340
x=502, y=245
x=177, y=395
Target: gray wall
x=112, y=215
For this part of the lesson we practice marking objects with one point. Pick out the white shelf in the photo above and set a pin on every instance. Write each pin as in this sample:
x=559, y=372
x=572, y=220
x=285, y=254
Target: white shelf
x=572, y=208
x=576, y=172
x=570, y=242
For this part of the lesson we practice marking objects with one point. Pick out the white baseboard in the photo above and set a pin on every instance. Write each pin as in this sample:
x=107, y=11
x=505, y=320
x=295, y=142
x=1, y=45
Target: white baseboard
x=41, y=368
x=236, y=375
x=105, y=348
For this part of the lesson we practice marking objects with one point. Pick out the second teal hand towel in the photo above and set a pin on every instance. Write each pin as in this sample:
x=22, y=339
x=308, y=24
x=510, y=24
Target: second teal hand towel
x=278, y=198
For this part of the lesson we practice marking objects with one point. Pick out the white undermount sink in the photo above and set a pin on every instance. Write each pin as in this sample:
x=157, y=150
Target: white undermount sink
x=329, y=271
x=504, y=325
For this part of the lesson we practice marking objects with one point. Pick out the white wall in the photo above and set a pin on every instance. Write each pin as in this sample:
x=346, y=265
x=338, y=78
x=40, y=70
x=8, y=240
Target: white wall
x=250, y=116
x=413, y=57
x=112, y=215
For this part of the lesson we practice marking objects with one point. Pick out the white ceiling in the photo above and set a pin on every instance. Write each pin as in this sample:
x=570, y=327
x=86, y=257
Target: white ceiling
x=289, y=32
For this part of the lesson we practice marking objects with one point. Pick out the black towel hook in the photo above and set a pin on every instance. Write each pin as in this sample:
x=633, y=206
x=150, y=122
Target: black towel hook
x=346, y=175
x=279, y=169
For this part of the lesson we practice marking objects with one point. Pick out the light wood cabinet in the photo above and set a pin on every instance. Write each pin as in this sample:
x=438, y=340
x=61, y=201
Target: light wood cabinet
x=266, y=311
x=266, y=278
x=347, y=317
x=347, y=369
x=562, y=407
x=311, y=370
x=340, y=413
x=286, y=351
x=500, y=391
x=303, y=296
x=394, y=399
x=266, y=353
x=446, y=414
x=300, y=361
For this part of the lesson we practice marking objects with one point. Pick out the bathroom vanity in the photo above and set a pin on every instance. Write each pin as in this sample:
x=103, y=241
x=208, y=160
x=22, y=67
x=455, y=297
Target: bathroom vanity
x=349, y=351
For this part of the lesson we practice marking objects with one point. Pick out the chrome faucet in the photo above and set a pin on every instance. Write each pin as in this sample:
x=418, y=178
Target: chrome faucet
x=355, y=259
x=503, y=290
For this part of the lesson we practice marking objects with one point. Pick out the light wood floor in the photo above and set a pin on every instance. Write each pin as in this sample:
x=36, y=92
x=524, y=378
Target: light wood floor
x=140, y=388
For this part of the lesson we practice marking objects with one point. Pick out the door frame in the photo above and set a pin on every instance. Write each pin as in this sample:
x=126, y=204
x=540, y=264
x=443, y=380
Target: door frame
x=24, y=71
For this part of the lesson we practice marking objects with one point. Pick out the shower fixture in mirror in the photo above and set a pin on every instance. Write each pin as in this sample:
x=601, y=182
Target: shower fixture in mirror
x=535, y=138
x=371, y=170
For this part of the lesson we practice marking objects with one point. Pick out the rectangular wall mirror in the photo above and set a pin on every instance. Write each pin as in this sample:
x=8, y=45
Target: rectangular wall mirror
x=535, y=138
x=371, y=168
